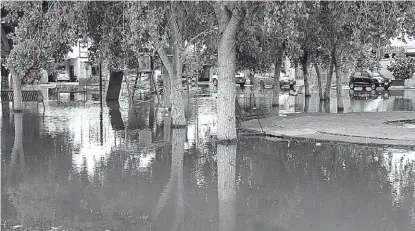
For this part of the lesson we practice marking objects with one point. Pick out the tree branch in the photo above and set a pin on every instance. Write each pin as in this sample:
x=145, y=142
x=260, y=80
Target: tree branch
x=207, y=31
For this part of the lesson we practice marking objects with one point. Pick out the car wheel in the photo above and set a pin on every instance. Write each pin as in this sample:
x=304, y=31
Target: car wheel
x=373, y=86
x=215, y=82
x=351, y=85
x=262, y=84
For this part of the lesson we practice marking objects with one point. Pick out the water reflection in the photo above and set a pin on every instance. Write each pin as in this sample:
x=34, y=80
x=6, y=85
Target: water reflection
x=354, y=101
x=115, y=114
x=226, y=155
x=17, y=162
x=82, y=173
x=174, y=189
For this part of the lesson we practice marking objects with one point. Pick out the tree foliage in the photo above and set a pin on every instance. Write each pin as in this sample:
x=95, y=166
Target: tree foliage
x=44, y=32
x=402, y=67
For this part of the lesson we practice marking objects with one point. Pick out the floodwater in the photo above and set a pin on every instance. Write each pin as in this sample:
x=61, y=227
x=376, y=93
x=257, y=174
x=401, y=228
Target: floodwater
x=80, y=167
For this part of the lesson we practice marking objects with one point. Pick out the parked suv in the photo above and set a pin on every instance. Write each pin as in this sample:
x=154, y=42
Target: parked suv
x=369, y=79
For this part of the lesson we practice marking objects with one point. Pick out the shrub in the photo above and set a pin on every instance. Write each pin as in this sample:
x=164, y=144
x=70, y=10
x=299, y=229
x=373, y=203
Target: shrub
x=402, y=68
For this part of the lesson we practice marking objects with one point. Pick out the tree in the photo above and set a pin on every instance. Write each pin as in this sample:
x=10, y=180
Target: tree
x=229, y=16
x=170, y=27
x=267, y=36
x=352, y=25
x=402, y=67
x=43, y=31
x=280, y=33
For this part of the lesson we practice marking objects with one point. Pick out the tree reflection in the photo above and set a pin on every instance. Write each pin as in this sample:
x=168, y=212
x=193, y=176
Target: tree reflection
x=174, y=188
x=226, y=155
x=17, y=163
x=307, y=104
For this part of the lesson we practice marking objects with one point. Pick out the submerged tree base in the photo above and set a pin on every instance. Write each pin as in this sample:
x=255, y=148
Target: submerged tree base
x=178, y=126
x=228, y=142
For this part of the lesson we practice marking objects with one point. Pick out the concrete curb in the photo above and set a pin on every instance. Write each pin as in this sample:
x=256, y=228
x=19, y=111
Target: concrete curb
x=255, y=132
x=311, y=128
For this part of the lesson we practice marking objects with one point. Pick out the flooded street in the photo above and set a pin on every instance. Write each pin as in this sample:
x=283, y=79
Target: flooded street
x=123, y=167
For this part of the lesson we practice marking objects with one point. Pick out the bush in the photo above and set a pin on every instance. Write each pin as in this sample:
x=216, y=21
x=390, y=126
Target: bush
x=402, y=68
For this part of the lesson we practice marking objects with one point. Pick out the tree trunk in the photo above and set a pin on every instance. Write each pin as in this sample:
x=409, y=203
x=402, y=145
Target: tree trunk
x=17, y=92
x=277, y=72
x=304, y=63
x=340, y=107
x=4, y=78
x=228, y=24
x=329, y=77
x=166, y=88
x=174, y=70
x=320, y=87
x=4, y=85
x=227, y=186
x=177, y=95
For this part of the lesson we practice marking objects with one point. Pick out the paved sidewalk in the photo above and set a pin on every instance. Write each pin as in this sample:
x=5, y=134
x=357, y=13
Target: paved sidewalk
x=364, y=128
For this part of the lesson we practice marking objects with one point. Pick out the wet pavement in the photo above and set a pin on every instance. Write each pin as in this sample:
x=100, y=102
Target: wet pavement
x=79, y=167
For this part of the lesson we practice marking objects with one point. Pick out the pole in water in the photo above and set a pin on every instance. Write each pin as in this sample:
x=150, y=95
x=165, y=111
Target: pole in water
x=100, y=84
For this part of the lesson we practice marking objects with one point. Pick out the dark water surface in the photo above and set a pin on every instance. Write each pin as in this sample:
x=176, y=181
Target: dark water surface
x=78, y=167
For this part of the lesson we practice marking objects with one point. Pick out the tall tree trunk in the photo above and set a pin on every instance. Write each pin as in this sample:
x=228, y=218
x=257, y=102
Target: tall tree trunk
x=4, y=85
x=304, y=64
x=329, y=77
x=177, y=104
x=166, y=88
x=277, y=72
x=177, y=109
x=227, y=186
x=175, y=74
x=228, y=24
x=4, y=78
x=17, y=91
x=340, y=107
x=320, y=87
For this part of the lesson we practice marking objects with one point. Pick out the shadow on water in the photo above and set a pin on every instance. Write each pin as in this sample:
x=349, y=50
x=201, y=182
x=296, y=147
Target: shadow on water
x=81, y=172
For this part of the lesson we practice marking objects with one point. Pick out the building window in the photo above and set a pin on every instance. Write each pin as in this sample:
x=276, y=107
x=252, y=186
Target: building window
x=386, y=56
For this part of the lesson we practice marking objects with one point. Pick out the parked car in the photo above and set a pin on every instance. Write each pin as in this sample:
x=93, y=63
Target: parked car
x=369, y=79
x=239, y=78
x=267, y=79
